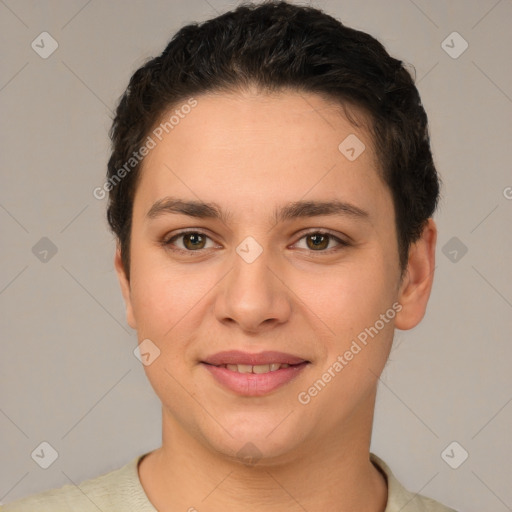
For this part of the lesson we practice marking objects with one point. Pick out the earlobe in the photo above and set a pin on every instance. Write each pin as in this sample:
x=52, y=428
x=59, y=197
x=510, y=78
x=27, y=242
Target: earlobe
x=125, y=287
x=417, y=283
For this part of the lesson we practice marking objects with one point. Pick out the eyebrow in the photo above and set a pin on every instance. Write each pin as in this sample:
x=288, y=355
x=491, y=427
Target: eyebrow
x=292, y=210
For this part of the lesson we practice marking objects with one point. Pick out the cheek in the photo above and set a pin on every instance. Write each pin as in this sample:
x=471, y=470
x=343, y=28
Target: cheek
x=166, y=298
x=352, y=297
x=155, y=302
x=359, y=311
x=155, y=290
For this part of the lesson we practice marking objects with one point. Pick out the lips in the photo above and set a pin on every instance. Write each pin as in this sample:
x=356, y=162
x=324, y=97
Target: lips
x=236, y=357
x=253, y=374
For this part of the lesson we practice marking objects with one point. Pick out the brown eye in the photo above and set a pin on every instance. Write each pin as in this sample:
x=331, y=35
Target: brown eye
x=191, y=241
x=318, y=241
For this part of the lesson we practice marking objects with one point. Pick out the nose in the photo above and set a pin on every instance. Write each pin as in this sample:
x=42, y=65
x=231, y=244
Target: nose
x=254, y=296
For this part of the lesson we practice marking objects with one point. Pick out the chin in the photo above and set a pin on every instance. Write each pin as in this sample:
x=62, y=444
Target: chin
x=256, y=443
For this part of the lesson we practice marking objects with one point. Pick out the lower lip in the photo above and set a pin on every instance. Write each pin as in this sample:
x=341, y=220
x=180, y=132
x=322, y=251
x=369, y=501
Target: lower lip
x=254, y=384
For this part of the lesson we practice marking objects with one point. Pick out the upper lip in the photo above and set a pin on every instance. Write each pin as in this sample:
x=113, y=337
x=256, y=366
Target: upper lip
x=239, y=357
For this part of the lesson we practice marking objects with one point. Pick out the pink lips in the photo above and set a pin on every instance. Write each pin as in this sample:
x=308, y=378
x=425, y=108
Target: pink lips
x=253, y=384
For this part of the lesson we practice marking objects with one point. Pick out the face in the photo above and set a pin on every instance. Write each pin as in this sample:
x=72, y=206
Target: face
x=294, y=261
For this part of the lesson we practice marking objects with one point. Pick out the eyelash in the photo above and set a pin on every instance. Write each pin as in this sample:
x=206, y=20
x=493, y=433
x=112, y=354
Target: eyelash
x=168, y=241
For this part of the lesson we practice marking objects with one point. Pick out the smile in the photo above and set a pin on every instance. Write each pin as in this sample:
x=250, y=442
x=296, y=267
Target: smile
x=254, y=380
x=258, y=368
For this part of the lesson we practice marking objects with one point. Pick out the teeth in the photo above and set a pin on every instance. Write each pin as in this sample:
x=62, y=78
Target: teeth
x=244, y=368
x=258, y=368
x=261, y=368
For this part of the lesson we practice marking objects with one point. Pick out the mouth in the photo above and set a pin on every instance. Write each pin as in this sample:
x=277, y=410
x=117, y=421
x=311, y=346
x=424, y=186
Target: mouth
x=257, y=368
x=239, y=358
x=254, y=374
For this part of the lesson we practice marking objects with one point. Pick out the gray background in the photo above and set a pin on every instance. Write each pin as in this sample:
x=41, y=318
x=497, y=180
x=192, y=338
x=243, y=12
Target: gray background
x=67, y=371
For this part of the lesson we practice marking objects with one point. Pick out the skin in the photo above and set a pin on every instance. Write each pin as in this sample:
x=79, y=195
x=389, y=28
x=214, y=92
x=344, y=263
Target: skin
x=250, y=153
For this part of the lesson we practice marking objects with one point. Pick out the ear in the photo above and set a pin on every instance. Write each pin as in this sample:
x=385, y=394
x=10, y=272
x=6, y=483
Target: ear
x=125, y=287
x=415, y=288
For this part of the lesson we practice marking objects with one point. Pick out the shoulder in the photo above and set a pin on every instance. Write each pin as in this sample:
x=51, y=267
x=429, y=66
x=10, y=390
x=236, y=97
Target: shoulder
x=117, y=490
x=400, y=499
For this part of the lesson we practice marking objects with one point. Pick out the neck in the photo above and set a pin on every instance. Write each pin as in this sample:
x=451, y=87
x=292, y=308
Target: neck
x=332, y=471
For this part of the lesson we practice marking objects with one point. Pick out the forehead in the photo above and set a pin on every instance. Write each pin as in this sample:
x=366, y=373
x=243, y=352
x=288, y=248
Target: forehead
x=284, y=120
x=284, y=145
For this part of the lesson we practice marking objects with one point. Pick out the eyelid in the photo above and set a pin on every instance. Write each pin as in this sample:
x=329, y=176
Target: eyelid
x=166, y=242
x=321, y=231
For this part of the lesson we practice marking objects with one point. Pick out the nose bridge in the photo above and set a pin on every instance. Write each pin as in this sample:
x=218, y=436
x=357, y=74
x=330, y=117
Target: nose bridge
x=251, y=267
x=252, y=293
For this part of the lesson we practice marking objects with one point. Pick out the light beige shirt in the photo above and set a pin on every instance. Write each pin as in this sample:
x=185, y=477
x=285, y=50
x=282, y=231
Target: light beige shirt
x=121, y=491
